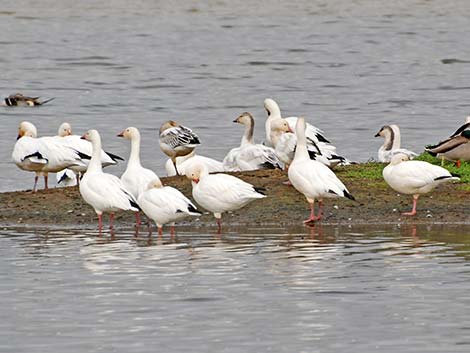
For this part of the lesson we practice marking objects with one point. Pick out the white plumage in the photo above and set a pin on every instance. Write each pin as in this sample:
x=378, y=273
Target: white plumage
x=250, y=156
x=165, y=204
x=392, y=144
x=185, y=162
x=84, y=149
x=219, y=193
x=41, y=155
x=66, y=177
x=314, y=136
x=311, y=178
x=414, y=177
x=104, y=192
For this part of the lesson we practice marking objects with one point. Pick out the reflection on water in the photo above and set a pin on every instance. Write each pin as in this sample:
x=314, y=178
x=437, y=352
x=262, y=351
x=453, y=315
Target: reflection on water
x=323, y=288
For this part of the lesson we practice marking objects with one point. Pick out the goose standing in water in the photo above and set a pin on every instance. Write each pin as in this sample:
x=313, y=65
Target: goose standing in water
x=165, y=204
x=183, y=162
x=456, y=148
x=414, y=177
x=250, y=156
x=177, y=140
x=314, y=135
x=102, y=191
x=391, y=146
x=41, y=155
x=311, y=178
x=220, y=193
x=14, y=100
x=84, y=150
x=135, y=178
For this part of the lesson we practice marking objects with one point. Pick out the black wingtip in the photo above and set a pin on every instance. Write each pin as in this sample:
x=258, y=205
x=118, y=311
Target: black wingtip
x=348, y=195
x=134, y=204
x=260, y=190
x=114, y=157
x=269, y=165
x=443, y=177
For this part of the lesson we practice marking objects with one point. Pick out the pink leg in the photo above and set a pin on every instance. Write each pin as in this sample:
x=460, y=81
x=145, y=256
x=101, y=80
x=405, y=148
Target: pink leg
x=36, y=178
x=137, y=219
x=111, y=219
x=160, y=231
x=413, y=211
x=312, y=218
x=100, y=222
x=219, y=226
x=45, y=181
x=320, y=209
x=172, y=230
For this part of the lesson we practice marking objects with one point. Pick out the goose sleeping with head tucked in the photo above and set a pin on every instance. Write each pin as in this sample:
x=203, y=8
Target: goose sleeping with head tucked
x=219, y=193
x=315, y=137
x=414, y=177
x=456, y=148
x=250, y=156
x=391, y=146
x=165, y=204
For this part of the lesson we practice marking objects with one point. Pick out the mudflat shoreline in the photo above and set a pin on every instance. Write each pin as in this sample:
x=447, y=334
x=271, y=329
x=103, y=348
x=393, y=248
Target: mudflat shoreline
x=376, y=203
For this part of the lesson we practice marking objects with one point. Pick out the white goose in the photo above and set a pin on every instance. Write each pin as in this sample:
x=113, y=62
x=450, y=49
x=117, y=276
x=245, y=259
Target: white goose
x=414, y=177
x=183, y=162
x=84, y=150
x=165, y=204
x=41, y=155
x=391, y=146
x=250, y=156
x=312, y=178
x=285, y=141
x=135, y=178
x=104, y=192
x=220, y=193
x=314, y=135
x=177, y=140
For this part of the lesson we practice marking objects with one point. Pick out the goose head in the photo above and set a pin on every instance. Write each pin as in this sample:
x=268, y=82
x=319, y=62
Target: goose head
x=155, y=184
x=64, y=130
x=196, y=171
x=245, y=118
x=129, y=133
x=27, y=129
x=168, y=125
x=91, y=135
x=399, y=158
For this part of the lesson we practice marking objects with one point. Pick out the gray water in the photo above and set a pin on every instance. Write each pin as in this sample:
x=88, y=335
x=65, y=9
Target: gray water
x=348, y=66
x=324, y=289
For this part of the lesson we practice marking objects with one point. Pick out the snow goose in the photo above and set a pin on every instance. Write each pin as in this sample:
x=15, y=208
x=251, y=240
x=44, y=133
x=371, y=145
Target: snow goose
x=41, y=155
x=456, y=148
x=177, y=140
x=102, y=191
x=414, y=177
x=314, y=135
x=84, y=150
x=391, y=146
x=135, y=178
x=285, y=142
x=220, y=193
x=312, y=178
x=165, y=204
x=18, y=99
x=183, y=162
x=250, y=156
